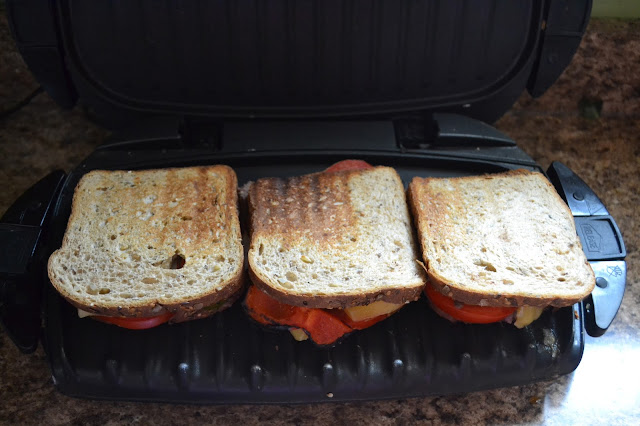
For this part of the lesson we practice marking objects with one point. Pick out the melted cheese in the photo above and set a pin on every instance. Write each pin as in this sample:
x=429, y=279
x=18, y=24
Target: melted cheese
x=83, y=314
x=372, y=310
x=525, y=315
x=298, y=334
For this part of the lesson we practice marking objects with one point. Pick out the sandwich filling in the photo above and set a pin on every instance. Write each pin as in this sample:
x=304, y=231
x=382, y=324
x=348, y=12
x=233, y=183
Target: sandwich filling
x=456, y=311
x=143, y=323
x=323, y=326
x=136, y=323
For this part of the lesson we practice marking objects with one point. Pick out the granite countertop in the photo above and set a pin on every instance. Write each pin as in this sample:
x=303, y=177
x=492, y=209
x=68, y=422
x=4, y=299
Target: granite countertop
x=564, y=124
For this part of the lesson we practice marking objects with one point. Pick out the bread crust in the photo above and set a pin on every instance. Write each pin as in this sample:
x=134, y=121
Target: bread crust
x=489, y=296
x=202, y=215
x=497, y=300
x=394, y=295
x=326, y=226
x=183, y=311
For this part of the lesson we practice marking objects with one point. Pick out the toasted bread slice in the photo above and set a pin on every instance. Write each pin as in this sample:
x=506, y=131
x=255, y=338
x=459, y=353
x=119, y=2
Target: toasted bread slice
x=141, y=243
x=500, y=240
x=333, y=240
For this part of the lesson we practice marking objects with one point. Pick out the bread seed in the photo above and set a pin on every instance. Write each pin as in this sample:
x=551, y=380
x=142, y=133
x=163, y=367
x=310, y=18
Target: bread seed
x=286, y=284
x=487, y=266
x=291, y=276
x=305, y=259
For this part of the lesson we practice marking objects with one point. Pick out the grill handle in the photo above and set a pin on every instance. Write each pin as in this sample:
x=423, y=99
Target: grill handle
x=23, y=233
x=602, y=244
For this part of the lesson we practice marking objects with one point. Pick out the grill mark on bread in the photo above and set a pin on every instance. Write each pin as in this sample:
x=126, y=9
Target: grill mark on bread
x=170, y=224
x=149, y=217
x=352, y=245
x=491, y=259
x=282, y=207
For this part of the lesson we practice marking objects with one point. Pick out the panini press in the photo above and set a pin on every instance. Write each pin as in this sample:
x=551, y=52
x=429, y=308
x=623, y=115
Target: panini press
x=282, y=88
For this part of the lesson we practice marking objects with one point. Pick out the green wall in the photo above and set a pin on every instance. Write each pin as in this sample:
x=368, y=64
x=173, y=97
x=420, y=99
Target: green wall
x=616, y=8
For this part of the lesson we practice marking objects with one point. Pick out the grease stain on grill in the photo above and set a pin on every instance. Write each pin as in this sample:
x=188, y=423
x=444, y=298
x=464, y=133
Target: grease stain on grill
x=256, y=378
x=328, y=377
x=183, y=375
x=397, y=371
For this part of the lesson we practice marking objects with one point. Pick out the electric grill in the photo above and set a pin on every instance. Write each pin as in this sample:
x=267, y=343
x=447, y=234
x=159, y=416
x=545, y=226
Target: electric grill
x=282, y=88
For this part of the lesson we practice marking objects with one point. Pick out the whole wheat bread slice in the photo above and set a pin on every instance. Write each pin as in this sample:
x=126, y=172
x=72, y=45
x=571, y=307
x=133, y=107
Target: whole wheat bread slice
x=500, y=240
x=130, y=232
x=333, y=240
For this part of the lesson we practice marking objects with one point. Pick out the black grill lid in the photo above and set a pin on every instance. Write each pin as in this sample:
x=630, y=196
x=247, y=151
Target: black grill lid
x=286, y=59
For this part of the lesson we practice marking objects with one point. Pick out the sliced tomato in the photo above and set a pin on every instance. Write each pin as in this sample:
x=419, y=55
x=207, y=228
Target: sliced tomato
x=466, y=313
x=136, y=323
x=325, y=326
x=348, y=165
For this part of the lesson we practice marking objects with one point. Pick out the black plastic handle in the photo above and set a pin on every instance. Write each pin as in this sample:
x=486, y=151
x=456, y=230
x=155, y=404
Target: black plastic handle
x=22, y=231
x=602, y=244
x=581, y=199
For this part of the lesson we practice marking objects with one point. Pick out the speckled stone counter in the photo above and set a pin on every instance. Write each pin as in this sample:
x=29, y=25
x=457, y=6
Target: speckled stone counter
x=604, y=151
